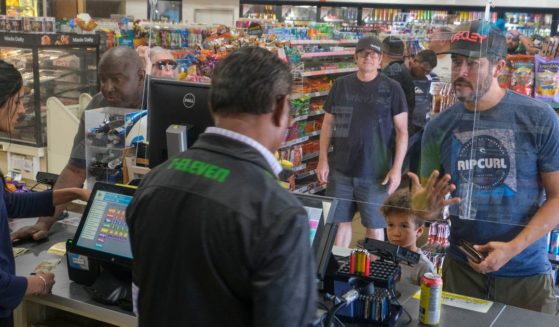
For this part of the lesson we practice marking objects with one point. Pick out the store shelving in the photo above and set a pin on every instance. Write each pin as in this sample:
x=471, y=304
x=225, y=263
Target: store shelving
x=299, y=168
x=310, y=95
x=310, y=156
x=305, y=174
x=259, y=11
x=405, y=14
x=313, y=155
x=339, y=15
x=299, y=140
x=382, y=15
x=317, y=42
x=328, y=54
x=529, y=23
x=305, y=117
x=329, y=71
x=299, y=15
x=315, y=66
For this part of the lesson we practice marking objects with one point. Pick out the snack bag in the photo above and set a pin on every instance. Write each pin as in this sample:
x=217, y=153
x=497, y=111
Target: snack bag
x=522, y=74
x=296, y=155
x=505, y=76
x=547, y=79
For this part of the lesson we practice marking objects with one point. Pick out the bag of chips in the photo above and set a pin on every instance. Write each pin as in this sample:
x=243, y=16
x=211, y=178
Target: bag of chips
x=547, y=79
x=522, y=74
x=505, y=76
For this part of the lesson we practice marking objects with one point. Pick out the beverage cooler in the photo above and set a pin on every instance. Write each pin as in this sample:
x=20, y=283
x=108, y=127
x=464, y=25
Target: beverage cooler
x=399, y=14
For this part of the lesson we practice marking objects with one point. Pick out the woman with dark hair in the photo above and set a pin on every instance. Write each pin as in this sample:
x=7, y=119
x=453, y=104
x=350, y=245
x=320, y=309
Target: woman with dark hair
x=19, y=205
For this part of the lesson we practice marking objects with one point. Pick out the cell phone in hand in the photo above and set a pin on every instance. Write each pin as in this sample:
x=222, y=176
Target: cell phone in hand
x=468, y=249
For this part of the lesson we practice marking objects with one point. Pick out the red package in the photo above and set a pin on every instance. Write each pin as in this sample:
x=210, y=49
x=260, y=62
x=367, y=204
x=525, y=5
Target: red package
x=307, y=148
x=309, y=127
x=316, y=146
x=522, y=74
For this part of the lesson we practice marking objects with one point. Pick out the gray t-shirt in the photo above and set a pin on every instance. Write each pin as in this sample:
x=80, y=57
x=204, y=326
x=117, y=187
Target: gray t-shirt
x=496, y=159
x=413, y=273
x=363, y=134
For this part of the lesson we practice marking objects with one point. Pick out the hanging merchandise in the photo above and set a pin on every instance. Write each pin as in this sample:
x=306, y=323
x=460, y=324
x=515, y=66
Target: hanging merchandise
x=437, y=242
x=443, y=96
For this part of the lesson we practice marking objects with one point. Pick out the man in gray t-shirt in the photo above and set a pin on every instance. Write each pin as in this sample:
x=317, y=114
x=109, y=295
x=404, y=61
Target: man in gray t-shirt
x=500, y=150
x=366, y=122
x=122, y=76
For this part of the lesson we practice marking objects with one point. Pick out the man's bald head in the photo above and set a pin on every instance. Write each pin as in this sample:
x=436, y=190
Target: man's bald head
x=121, y=55
x=122, y=76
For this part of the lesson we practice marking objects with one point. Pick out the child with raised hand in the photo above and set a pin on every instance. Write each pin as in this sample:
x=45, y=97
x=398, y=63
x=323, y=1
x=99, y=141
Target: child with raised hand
x=403, y=228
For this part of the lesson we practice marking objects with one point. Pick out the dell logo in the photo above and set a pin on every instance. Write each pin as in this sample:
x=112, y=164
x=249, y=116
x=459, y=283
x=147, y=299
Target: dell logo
x=189, y=100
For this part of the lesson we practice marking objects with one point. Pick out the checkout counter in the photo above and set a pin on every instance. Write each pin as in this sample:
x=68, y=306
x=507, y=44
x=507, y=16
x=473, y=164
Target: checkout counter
x=70, y=297
x=67, y=296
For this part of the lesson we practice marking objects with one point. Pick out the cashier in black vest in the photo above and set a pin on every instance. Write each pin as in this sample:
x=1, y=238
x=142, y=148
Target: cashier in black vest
x=216, y=240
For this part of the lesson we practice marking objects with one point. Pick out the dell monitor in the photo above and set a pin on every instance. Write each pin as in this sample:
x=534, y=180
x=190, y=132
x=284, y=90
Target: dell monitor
x=173, y=102
x=321, y=227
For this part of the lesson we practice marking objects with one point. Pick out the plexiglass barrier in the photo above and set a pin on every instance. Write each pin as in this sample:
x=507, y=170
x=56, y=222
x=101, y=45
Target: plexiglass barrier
x=449, y=123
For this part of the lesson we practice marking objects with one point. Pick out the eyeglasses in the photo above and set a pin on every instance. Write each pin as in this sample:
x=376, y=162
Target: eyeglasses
x=365, y=54
x=166, y=63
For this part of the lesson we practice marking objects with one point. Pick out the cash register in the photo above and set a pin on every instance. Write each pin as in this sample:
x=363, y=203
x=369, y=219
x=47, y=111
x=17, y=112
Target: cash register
x=99, y=256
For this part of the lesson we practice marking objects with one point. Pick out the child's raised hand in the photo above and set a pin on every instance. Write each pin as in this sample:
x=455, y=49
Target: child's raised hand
x=429, y=199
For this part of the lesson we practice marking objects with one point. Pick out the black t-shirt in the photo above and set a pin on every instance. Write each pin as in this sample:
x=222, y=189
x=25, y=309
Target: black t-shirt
x=398, y=71
x=363, y=133
x=423, y=101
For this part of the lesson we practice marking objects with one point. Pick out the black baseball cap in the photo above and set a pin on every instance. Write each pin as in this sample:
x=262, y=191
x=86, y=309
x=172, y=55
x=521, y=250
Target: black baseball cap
x=478, y=39
x=393, y=45
x=369, y=43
